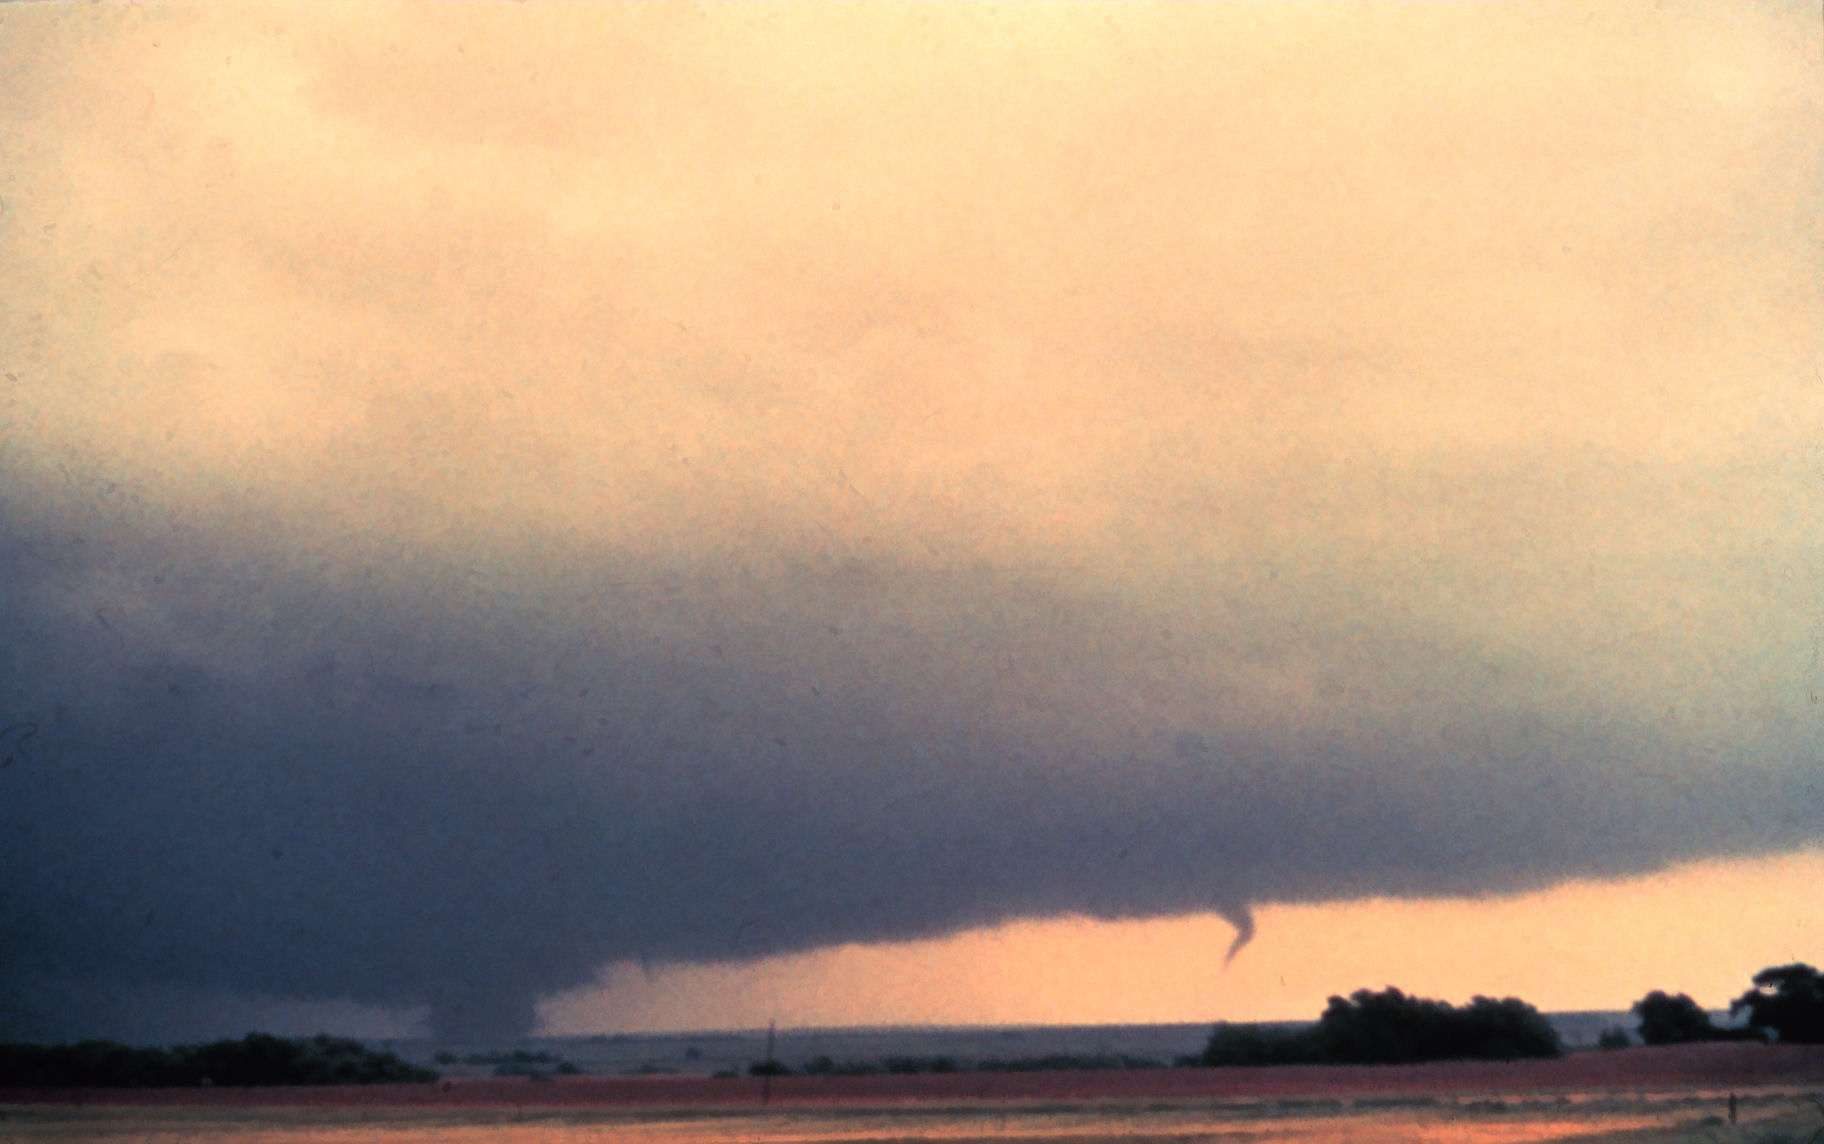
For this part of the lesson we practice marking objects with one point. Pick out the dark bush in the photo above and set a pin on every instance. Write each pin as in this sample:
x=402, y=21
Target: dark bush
x=1666, y=1019
x=531, y=1065
x=1068, y=1061
x=256, y=1059
x=912, y=1066
x=1788, y=1001
x=1392, y=1028
x=1240, y=1045
x=1614, y=1037
x=856, y=1068
x=511, y=1057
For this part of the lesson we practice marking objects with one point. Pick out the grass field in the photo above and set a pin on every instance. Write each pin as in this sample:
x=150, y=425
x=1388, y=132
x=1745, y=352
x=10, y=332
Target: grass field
x=1764, y=1119
x=1677, y=1095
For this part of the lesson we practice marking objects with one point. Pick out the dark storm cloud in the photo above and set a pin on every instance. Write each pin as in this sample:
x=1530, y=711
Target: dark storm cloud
x=401, y=793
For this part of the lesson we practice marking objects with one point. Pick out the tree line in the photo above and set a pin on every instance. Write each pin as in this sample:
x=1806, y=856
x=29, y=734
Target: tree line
x=1391, y=1028
x=1786, y=1004
x=256, y=1059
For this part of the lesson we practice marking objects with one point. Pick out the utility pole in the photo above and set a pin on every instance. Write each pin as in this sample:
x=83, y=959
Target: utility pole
x=766, y=1075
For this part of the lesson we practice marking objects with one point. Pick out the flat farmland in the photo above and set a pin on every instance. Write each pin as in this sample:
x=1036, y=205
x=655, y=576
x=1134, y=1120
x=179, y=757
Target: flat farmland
x=1641, y=1095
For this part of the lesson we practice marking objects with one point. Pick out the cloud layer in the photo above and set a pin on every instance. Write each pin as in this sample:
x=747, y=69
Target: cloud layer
x=495, y=493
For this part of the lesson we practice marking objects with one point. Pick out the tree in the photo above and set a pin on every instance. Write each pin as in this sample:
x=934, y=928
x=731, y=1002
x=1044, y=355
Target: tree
x=257, y=1059
x=1787, y=1000
x=1672, y=1020
x=1391, y=1028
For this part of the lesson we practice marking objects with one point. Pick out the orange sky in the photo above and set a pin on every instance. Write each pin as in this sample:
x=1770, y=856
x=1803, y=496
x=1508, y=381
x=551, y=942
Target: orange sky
x=1703, y=929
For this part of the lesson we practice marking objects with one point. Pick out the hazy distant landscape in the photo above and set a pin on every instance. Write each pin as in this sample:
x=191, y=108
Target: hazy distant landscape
x=706, y=1053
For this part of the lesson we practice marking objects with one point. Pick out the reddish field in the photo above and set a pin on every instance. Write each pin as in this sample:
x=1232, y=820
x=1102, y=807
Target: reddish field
x=1715, y=1067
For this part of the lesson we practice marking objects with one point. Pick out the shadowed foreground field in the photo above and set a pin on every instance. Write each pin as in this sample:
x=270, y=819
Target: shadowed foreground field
x=1765, y=1118
x=1643, y=1096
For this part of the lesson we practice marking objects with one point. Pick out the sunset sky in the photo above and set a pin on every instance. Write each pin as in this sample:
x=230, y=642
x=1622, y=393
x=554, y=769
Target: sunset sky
x=593, y=518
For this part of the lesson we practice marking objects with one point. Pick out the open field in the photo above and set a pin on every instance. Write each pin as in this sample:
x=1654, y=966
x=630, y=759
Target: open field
x=1766, y=1118
x=1643, y=1096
